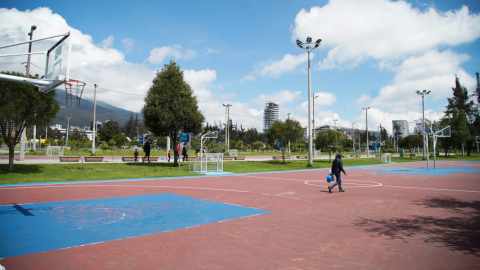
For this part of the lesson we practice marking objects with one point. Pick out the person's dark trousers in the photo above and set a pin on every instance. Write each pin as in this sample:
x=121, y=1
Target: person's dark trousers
x=338, y=182
x=146, y=155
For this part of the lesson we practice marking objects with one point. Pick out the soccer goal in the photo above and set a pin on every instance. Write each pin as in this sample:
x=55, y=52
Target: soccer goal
x=209, y=162
x=234, y=152
x=55, y=151
x=386, y=158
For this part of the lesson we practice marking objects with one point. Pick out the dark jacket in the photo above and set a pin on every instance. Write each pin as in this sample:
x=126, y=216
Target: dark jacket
x=146, y=147
x=337, y=166
x=184, y=150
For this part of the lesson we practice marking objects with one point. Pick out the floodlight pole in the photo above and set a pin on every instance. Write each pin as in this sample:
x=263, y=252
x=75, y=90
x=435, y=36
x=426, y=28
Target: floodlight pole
x=288, y=118
x=366, y=121
x=353, y=136
x=309, y=132
x=24, y=132
x=423, y=94
x=68, y=126
x=314, y=128
x=335, y=120
x=94, y=131
x=227, y=130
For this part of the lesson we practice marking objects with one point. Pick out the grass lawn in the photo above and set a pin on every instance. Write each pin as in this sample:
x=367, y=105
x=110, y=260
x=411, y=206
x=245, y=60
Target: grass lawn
x=33, y=173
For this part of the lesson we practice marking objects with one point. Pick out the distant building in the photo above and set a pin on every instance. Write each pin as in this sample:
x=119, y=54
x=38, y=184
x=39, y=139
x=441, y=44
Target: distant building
x=99, y=125
x=270, y=115
x=399, y=129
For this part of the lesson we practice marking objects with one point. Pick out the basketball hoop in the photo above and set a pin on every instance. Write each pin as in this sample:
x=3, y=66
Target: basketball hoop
x=74, y=90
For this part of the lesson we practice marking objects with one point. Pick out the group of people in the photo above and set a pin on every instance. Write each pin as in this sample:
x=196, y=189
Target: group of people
x=147, y=147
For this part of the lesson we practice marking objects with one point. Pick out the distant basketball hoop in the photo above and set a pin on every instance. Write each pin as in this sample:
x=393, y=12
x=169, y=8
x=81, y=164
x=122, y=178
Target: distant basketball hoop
x=74, y=90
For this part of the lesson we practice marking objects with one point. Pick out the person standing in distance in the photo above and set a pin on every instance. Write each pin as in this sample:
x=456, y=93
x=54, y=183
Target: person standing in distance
x=184, y=152
x=146, y=148
x=337, y=168
x=197, y=151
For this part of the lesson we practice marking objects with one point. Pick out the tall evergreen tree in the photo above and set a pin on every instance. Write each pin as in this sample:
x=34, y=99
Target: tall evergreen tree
x=170, y=105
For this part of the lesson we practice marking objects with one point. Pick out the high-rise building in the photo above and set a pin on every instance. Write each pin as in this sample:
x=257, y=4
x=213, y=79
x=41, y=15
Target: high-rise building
x=399, y=129
x=270, y=115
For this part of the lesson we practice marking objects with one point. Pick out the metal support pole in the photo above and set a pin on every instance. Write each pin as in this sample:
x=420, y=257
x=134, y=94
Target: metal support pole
x=366, y=121
x=68, y=127
x=353, y=136
x=310, y=157
x=94, y=131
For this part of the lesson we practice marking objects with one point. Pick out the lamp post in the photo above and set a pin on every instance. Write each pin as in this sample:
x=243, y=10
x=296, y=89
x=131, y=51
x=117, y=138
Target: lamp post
x=24, y=132
x=308, y=49
x=366, y=122
x=335, y=120
x=68, y=127
x=314, y=128
x=353, y=136
x=94, y=131
x=423, y=94
x=288, y=118
x=227, y=130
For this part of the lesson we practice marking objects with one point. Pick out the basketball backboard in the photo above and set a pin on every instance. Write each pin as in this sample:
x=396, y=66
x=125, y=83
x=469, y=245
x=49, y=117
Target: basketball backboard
x=441, y=131
x=56, y=67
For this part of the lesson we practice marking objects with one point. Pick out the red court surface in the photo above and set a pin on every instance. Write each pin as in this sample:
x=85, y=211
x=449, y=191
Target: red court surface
x=382, y=221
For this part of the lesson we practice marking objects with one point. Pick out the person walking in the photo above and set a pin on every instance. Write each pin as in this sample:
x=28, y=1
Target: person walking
x=146, y=148
x=169, y=155
x=177, y=156
x=135, y=153
x=337, y=168
x=197, y=151
x=185, y=153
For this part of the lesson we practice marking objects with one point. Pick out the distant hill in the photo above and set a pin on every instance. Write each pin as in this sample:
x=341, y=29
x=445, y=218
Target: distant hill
x=83, y=114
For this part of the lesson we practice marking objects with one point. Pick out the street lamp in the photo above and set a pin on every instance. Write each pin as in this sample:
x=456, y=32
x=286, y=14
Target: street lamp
x=423, y=94
x=22, y=142
x=353, y=136
x=94, y=131
x=314, y=127
x=227, y=131
x=366, y=121
x=308, y=49
x=288, y=118
x=335, y=120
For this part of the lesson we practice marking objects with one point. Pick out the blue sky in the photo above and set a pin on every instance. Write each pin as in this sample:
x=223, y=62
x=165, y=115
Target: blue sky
x=374, y=53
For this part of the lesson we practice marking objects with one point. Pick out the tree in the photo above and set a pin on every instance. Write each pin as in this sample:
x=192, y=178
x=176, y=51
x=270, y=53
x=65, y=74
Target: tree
x=464, y=103
x=257, y=145
x=170, y=106
x=410, y=142
x=109, y=130
x=458, y=126
x=120, y=139
x=76, y=135
x=290, y=130
x=21, y=106
x=104, y=146
x=326, y=139
x=130, y=129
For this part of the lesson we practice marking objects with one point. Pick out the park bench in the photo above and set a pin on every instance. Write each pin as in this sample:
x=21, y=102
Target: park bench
x=132, y=159
x=277, y=157
x=152, y=159
x=412, y=155
x=240, y=158
x=227, y=158
x=69, y=159
x=301, y=157
x=191, y=159
x=93, y=159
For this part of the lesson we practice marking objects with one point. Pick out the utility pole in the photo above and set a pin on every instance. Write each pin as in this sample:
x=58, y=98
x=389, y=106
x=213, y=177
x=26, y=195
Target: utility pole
x=288, y=118
x=309, y=133
x=227, y=130
x=24, y=132
x=314, y=128
x=366, y=121
x=68, y=127
x=94, y=129
x=335, y=120
x=353, y=136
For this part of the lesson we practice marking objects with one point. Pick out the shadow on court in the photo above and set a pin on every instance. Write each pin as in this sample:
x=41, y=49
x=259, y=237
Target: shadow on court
x=458, y=233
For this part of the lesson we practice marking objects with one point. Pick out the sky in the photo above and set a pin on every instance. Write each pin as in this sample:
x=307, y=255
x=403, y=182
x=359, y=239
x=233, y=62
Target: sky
x=374, y=53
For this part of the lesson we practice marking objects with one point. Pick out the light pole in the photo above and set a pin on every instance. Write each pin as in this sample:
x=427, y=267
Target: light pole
x=288, y=118
x=227, y=131
x=24, y=132
x=335, y=120
x=314, y=128
x=68, y=127
x=94, y=131
x=308, y=49
x=353, y=136
x=366, y=121
x=423, y=94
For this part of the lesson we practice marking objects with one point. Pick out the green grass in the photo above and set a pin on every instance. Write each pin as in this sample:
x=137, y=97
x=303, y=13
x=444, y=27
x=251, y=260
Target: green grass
x=33, y=173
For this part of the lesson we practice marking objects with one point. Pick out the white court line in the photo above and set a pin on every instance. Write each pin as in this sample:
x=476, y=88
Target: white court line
x=141, y=186
x=441, y=189
x=348, y=184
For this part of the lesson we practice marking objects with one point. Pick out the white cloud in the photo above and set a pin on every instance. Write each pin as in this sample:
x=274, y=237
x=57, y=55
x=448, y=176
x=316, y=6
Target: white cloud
x=157, y=55
x=431, y=71
x=323, y=99
x=362, y=99
x=128, y=44
x=208, y=51
x=107, y=43
x=276, y=68
x=281, y=97
x=355, y=30
x=247, y=78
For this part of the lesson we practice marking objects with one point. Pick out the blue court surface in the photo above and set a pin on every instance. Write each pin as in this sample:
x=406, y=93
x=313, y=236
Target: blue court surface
x=439, y=171
x=40, y=227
